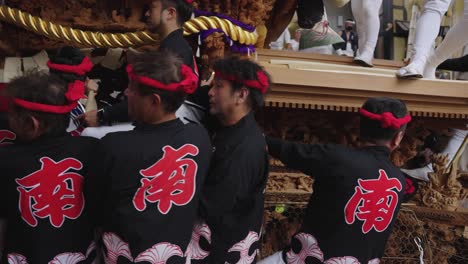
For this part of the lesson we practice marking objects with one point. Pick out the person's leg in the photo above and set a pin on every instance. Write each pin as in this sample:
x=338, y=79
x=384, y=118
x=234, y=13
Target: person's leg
x=356, y=7
x=456, y=38
x=369, y=16
x=427, y=29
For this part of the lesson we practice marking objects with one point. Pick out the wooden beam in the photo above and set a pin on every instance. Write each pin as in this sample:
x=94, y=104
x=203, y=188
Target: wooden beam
x=267, y=54
x=325, y=87
x=440, y=216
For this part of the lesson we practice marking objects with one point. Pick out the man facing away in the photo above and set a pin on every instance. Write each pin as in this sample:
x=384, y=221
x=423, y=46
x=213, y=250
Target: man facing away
x=232, y=196
x=43, y=175
x=357, y=192
x=165, y=18
x=150, y=177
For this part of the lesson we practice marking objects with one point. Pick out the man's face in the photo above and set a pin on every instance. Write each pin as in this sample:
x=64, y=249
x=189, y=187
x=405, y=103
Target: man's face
x=222, y=98
x=154, y=16
x=349, y=26
x=138, y=105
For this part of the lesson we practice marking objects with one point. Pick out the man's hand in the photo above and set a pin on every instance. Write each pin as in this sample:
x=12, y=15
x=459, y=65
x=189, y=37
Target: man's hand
x=90, y=118
x=208, y=81
x=91, y=85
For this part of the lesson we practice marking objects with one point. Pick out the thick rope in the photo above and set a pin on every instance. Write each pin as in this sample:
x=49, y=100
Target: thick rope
x=117, y=40
x=236, y=33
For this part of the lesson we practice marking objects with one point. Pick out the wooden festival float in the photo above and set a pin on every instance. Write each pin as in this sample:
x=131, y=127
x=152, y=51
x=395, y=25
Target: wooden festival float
x=314, y=99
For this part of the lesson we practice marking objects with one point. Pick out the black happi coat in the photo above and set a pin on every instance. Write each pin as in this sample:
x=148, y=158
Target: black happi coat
x=41, y=194
x=149, y=190
x=342, y=220
x=232, y=199
x=7, y=136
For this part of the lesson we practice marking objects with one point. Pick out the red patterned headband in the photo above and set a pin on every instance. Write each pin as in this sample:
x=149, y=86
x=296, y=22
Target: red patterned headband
x=75, y=91
x=261, y=84
x=189, y=1
x=81, y=69
x=387, y=119
x=188, y=84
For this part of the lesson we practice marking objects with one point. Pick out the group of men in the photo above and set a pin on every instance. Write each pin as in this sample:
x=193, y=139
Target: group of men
x=172, y=190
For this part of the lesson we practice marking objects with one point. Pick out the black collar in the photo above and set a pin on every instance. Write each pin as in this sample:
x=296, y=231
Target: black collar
x=380, y=150
x=173, y=36
x=165, y=125
x=236, y=132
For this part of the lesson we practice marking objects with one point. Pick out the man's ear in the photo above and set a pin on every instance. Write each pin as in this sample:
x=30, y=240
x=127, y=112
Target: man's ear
x=34, y=128
x=156, y=99
x=171, y=13
x=243, y=95
x=396, y=140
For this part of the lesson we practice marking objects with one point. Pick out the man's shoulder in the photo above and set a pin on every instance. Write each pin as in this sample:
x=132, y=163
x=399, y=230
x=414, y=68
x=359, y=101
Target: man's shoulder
x=84, y=140
x=196, y=128
x=113, y=137
x=253, y=144
x=197, y=133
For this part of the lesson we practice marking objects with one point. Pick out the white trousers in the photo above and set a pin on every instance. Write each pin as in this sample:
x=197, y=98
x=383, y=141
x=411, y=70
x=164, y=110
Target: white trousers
x=455, y=39
x=366, y=14
x=427, y=29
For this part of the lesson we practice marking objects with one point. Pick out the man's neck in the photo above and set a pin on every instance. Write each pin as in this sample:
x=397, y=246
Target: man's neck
x=163, y=119
x=376, y=144
x=233, y=119
x=167, y=30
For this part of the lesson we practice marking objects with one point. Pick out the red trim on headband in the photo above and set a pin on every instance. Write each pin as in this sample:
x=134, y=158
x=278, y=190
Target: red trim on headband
x=387, y=119
x=189, y=1
x=75, y=92
x=81, y=69
x=261, y=84
x=188, y=84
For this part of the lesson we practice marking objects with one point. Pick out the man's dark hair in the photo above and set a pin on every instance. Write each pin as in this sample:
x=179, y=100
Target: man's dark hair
x=372, y=130
x=242, y=70
x=67, y=56
x=39, y=87
x=184, y=9
x=165, y=68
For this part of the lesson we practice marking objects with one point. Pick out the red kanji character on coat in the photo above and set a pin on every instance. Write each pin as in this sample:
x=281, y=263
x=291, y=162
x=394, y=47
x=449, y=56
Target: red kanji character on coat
x=53, y=191
x=171, y=180
x=374, y=202
x=6, y=136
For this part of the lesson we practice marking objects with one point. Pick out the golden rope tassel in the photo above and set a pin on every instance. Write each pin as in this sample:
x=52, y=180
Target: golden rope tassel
x=117, y=40
x=236, y=33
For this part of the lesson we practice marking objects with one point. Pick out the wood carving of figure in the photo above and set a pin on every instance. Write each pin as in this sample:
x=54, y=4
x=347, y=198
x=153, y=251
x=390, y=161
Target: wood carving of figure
x=84, y=18
x=203, y=5
x=227, y=7
x=136, y=13
x=243, y=12
x=444, y=191
x=212, y=49
x=216, y=8
x=133, y=22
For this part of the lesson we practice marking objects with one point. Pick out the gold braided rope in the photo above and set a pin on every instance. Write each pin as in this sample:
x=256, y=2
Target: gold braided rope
x=235, y=32
x=116, y=40
x=80, y=37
